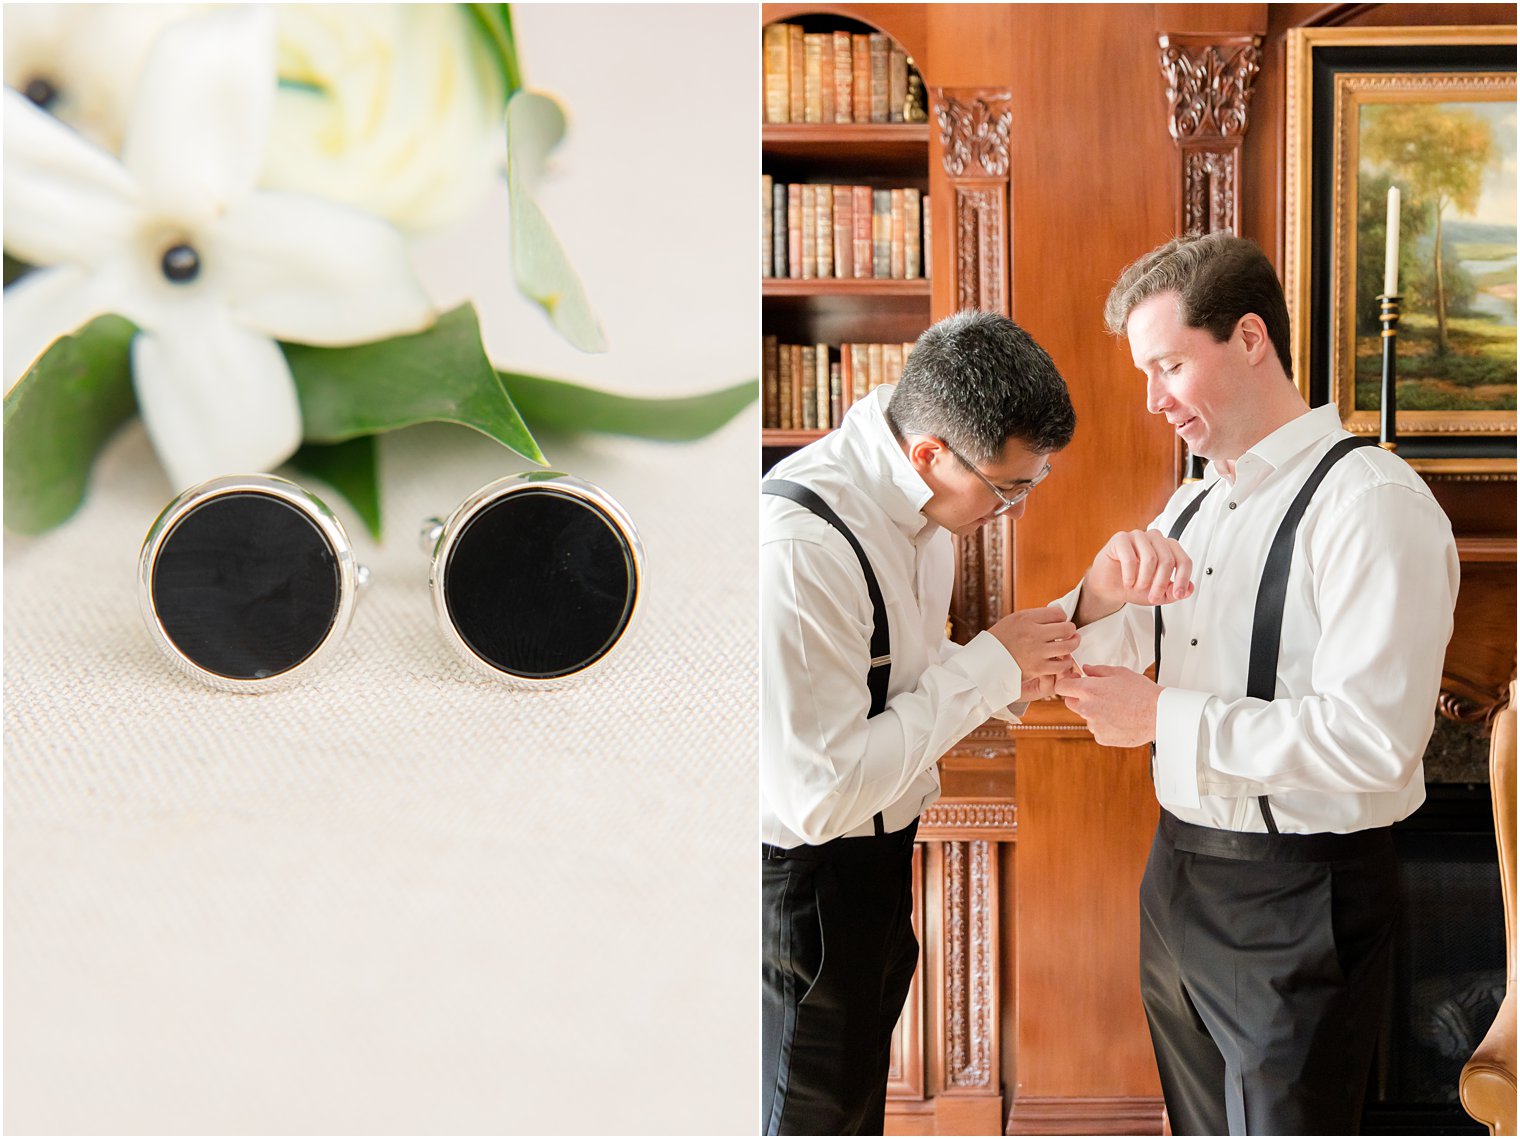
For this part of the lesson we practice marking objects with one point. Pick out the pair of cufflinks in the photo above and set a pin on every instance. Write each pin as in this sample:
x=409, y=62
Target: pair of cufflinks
x=247, y=582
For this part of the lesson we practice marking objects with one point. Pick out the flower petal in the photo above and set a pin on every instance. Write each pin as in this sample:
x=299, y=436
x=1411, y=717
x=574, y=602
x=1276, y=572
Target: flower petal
x=196, y=136
x=216, y=399
x=40, y=308
x=309, y=271
x=66, y=200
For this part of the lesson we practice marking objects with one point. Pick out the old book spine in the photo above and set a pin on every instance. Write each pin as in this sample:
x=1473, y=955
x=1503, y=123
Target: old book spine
x=794, y=351
x=880, y=53
x=844, y=79
x=860, y=211
x=891, y=363
x=913, y=248
x=826, y=77
x=874, y=364
x=812, y=78
x=823, y=199
x=784, y=418
x=836, y=394
x=928, y=249
x=821, y=362
x=860, y=365
x=897, y=84
x=881, y=234
x=778, y=75
x=809, y=387
x=809, y=233
x=899, y=235
x=767, y=253
x=846, y=376
x=770, y=381
x=797, y=80
x=844, y=232
x=794, y=230
x=860, y=76
x=778, y=229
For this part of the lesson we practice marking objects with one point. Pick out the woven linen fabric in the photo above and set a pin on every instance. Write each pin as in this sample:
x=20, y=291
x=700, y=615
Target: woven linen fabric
x=402, y=897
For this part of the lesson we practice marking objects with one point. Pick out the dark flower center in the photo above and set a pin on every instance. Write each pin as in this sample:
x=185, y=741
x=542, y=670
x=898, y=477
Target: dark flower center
x=41, y=92
x=181, y=263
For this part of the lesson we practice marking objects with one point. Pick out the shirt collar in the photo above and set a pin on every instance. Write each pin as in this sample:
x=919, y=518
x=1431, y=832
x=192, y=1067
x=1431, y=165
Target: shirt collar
x=1289, y=440
x=879, y=455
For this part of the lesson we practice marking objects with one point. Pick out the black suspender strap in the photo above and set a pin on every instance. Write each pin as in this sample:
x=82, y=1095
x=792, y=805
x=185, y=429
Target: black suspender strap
x=881, y=643
x=1178, y=526
x=1266, y=627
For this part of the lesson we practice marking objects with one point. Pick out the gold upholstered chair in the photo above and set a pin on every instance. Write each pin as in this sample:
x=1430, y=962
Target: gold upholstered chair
x=1488, y=1079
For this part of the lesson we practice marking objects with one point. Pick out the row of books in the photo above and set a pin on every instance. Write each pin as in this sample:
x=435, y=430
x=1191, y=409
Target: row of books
x=839, y=77
x=810, y=232
x=810, y=386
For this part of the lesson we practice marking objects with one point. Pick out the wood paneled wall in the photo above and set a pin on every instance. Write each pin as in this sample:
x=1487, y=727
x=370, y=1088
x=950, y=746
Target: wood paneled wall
x=1093, y=181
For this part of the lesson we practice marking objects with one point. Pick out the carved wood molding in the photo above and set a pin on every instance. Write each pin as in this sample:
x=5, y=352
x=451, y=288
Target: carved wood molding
x=970, y=988
x=1085, y=1115
x=992, y=820
x=974, y=130
x=1209, y=189
x=1470, y=702
x=981, y=236
x=1208, y=83
x=1208, y=89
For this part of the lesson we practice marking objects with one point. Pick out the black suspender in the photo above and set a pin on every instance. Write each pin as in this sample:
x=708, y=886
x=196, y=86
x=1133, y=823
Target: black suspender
x=881, y=643
x=1271, y=595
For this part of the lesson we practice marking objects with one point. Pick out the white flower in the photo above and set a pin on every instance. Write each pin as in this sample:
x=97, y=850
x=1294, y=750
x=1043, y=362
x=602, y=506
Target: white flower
x=396, y=109
x=174, y=237
x=81, y=62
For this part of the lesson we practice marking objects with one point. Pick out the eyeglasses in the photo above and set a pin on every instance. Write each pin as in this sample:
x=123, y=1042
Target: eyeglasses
x=1007, y=502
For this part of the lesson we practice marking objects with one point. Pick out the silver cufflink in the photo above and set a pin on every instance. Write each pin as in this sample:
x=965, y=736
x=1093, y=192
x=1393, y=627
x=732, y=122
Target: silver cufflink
x=247, y=582
x=536, y=578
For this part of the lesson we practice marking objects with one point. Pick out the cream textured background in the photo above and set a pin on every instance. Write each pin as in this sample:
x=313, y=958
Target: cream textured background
x=400, y=898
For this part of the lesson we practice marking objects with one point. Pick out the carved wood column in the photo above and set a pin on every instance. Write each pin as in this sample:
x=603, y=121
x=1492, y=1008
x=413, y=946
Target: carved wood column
x=974, y=128
x=1208, y=87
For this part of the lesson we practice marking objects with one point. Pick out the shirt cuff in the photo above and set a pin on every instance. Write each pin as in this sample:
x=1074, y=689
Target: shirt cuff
x=990, y=666
x=1179, y=719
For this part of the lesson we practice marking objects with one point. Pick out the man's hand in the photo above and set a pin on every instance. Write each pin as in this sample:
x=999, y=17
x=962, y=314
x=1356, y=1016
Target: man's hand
x=1136, y=567
x=1044, y=687
x=1040, y=640
x=1118, y=704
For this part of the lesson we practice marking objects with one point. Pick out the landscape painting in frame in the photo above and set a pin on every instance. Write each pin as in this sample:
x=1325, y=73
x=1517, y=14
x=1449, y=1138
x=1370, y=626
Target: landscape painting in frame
x=1447, y=141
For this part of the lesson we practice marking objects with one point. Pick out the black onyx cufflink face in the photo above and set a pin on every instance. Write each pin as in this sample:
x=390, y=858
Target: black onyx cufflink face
x=247, y=582
x=536, y=578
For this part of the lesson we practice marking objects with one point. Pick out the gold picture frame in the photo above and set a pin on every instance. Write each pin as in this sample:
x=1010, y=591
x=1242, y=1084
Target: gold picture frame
x=1334, y=75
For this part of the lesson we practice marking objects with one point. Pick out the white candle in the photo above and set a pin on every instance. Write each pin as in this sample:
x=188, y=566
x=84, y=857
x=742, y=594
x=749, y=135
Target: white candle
x=1391, y=262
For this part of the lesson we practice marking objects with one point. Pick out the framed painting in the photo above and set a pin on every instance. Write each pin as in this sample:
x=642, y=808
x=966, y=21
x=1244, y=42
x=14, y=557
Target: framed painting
x=1431, y=112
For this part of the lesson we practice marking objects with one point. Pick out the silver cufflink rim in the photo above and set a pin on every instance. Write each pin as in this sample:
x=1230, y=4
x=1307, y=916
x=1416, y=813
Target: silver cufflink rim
x=352, y=577
x=438, y=538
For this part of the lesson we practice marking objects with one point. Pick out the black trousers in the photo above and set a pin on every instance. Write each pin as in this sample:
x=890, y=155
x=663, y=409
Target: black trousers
x=1264, y=963
x=837, y=962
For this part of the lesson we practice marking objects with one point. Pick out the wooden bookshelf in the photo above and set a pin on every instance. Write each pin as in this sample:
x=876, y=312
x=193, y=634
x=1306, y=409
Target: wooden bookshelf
x=831, y=310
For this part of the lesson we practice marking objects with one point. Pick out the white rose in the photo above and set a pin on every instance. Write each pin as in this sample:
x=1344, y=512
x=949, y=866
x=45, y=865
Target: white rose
x=395, y=109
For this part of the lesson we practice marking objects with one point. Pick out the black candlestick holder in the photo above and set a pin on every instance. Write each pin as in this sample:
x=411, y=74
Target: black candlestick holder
x=1388, y=315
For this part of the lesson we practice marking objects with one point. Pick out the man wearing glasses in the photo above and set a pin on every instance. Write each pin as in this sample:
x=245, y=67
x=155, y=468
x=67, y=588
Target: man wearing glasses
x=862, y=693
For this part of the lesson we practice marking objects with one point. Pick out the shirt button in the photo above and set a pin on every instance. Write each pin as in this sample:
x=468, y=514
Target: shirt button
x=1232, y=506
x=1208, y=571
x=1194, y=641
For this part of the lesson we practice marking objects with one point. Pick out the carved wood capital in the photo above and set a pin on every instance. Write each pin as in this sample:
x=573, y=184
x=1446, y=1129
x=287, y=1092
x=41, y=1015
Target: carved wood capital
x=1208, y=83
x=974, y=129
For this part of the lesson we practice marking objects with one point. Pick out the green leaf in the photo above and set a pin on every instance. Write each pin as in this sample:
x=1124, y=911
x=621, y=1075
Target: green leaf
x=15, y=269
x=562, y=406
x=352, y=469
x=494, y=23
x=57, y=418
x=542, y=269
x=441, y=375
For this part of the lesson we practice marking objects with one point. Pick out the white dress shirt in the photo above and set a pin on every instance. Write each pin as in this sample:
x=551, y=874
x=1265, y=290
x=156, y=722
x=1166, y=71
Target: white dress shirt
x=1371, y=590
x=825, y=768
